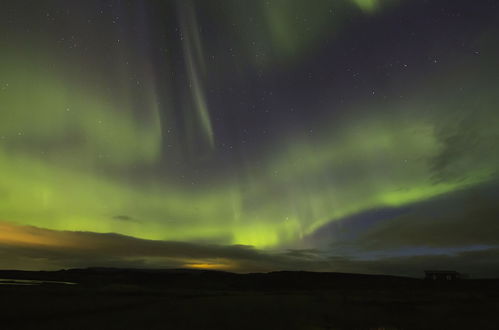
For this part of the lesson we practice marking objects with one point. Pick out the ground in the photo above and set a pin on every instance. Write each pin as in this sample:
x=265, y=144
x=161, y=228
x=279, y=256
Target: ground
x=263, y=301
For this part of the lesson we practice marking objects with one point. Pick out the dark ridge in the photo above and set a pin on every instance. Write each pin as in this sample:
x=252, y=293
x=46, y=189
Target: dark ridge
x=212, y=279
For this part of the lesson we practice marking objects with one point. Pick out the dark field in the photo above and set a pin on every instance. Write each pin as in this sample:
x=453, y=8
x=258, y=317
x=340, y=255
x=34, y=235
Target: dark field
x=132, y=299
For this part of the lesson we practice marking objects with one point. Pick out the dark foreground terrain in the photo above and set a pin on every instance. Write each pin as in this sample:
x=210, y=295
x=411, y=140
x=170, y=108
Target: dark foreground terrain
x=183, y=299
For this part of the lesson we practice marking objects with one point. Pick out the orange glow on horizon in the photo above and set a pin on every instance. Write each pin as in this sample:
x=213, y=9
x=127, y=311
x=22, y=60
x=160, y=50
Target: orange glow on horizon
x=209, y=266
x=25, y=235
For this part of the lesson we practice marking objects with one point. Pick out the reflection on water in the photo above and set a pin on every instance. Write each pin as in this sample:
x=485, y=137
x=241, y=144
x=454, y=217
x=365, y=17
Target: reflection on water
x=10, y=281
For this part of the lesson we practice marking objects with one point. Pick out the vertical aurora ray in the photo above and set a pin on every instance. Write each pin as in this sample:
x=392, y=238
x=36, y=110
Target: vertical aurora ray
x=195, y=66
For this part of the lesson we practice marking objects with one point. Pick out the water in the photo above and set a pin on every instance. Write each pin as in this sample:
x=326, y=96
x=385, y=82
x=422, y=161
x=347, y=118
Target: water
x=10, y=281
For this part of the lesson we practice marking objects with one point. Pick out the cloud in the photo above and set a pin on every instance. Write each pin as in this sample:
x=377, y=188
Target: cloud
x=34, y=248
x=464, y=219
x=303, y=253
x=28, y=247
x=124, y=218
x=468, y=142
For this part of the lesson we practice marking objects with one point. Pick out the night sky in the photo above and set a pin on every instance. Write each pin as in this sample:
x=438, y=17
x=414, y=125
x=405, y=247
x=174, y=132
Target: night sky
x=250, y=135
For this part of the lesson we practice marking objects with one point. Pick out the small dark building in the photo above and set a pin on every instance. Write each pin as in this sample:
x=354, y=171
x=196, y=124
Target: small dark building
x=442, y=275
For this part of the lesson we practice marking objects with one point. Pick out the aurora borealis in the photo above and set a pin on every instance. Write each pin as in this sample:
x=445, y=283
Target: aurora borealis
x=339, y=135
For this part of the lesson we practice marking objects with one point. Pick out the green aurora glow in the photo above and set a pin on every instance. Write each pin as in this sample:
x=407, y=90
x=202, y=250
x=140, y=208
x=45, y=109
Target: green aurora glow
x=70, y=150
